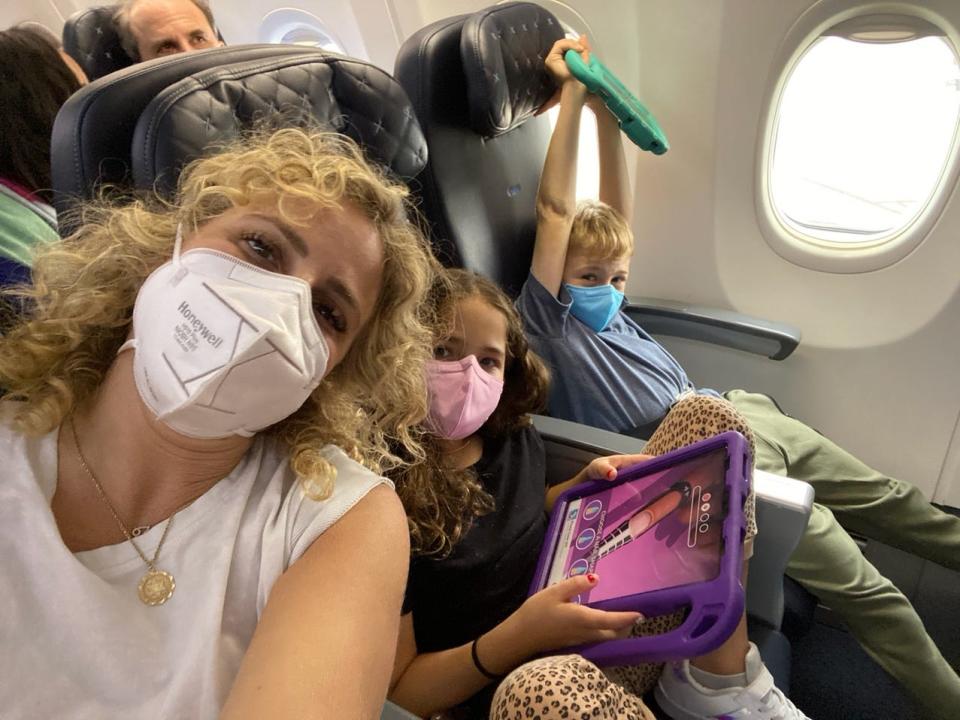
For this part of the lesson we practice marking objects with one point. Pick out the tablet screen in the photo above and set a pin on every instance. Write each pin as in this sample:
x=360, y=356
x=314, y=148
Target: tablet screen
x=656, y=531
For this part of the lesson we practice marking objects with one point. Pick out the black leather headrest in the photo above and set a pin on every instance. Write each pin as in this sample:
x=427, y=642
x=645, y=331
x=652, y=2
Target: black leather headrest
x=94, y=128
x=90, y=38
x=503, y=49
x=214, y=106
x=478, y=192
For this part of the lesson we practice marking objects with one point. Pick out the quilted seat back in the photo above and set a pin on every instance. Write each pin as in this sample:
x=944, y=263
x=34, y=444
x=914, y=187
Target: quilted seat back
x=208, y=108
x=90, y=38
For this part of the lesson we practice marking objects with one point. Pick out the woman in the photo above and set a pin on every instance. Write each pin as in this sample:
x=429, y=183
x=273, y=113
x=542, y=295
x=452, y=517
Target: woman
x=185, y=527
x=36, y=78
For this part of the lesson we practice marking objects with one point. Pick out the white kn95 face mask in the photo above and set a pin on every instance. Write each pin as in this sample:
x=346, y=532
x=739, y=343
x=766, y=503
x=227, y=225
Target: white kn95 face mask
x=223, y=347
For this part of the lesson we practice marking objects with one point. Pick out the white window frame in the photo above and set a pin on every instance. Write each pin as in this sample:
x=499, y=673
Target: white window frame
x=815, y=253
x=279, y=23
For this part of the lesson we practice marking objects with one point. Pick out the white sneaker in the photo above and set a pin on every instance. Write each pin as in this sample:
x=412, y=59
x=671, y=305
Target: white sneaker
x=683, y=698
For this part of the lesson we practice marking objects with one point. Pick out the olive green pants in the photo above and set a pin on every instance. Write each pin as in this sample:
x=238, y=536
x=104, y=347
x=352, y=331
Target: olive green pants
x=830, y=565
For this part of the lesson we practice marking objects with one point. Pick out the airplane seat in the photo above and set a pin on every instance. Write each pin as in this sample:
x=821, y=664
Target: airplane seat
x=342, y=94
x=476, y=82
x=93, y=132
x=475, y=85
x=90, y=38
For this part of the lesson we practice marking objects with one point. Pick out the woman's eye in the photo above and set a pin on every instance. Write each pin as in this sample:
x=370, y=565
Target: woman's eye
x=489, y=363
x=588, y=276
x=331, y=316
x=440, y=353
x=258, y=246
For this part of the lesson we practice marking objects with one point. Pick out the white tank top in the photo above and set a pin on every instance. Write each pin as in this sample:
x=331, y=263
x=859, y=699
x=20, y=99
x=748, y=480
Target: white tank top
x=76, y=641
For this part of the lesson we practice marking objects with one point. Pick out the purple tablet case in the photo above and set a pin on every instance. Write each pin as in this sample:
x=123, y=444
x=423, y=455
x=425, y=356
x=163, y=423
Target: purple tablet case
x=666, y=534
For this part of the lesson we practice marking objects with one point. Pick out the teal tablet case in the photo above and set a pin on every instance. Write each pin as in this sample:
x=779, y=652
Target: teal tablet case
x=636, y=121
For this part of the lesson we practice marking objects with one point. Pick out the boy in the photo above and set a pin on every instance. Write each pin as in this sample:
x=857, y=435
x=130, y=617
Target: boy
x=608, y=373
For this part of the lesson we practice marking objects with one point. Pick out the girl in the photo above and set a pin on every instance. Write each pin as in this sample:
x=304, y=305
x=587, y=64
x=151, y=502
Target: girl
x=476, y=511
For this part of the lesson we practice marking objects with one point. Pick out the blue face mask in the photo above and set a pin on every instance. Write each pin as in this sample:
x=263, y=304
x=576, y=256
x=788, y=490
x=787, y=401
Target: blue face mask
x=594, y=306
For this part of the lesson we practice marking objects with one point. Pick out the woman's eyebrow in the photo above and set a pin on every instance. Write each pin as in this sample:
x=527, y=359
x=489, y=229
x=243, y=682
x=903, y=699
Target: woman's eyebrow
x=336, y=286
x=288, y=232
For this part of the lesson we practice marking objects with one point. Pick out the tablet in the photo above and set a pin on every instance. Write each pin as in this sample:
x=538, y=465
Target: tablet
x=636, y=122
x=666, y=535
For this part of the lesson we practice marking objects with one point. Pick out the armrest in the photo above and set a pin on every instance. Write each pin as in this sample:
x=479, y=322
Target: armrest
x=719, y=327
x=395, y=712
x=783, y=509
x=783, y=505
x=571, y=445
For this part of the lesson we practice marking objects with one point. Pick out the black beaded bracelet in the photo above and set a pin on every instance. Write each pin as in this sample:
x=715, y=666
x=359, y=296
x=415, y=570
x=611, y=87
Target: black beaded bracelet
x=479, y=666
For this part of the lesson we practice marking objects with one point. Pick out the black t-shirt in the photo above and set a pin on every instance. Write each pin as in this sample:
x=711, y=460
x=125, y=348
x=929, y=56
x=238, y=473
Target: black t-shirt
x=487, y=576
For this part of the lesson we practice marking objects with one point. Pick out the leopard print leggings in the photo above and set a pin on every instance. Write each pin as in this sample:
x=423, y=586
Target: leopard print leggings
x=569, y=687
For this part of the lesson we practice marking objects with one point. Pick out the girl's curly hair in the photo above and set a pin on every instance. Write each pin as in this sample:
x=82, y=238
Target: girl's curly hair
x=441, y=502
x=81, y=303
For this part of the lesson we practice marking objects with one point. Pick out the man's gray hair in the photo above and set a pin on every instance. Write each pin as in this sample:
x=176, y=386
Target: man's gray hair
x=121, y=21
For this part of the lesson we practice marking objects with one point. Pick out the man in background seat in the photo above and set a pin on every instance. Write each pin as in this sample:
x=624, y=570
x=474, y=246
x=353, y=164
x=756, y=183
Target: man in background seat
x=150, y=29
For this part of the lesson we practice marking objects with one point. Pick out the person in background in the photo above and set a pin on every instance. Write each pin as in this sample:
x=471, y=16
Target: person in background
x=36, y=78
x=196, y=412
x=150, y=29
x=609, y=373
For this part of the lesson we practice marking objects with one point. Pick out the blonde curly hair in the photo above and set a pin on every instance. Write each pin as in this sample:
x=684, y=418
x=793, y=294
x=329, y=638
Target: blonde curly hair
x=80, y=306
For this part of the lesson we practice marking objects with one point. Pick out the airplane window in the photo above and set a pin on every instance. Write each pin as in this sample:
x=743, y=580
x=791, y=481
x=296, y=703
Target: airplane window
x=297, y=27
x=311, y=37
x=865, y=127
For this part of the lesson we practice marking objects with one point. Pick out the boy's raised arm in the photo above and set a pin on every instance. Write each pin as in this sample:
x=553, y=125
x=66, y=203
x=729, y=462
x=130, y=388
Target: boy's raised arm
x=614, y=181
x=556, y=197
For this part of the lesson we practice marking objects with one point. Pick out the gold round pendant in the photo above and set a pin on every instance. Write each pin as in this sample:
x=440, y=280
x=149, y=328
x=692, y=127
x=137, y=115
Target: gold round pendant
x=156, y=587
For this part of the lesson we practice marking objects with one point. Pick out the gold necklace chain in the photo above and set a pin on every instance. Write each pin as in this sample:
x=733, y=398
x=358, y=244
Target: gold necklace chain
x=156, y=586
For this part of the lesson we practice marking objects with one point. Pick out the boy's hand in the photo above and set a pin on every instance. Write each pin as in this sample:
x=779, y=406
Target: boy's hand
x=607, y=468
x=551, y=618
x=557, y=68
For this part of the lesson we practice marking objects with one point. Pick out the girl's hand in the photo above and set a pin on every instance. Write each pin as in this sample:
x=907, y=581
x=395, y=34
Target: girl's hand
x=607, y=468
x=557, y=68
x=552, y=619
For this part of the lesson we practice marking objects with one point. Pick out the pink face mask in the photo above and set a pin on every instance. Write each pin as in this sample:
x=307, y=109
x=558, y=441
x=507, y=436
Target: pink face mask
x=462, y=396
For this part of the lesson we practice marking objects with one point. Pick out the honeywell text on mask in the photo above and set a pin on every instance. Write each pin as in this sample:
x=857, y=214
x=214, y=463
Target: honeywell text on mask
x=187, y=336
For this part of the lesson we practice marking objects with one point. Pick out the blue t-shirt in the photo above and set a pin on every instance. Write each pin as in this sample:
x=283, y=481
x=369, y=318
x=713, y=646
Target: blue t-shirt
x=618, y=379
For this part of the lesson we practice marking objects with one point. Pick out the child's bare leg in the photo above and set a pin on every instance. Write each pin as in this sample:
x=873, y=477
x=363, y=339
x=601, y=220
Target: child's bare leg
x=731, y=657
